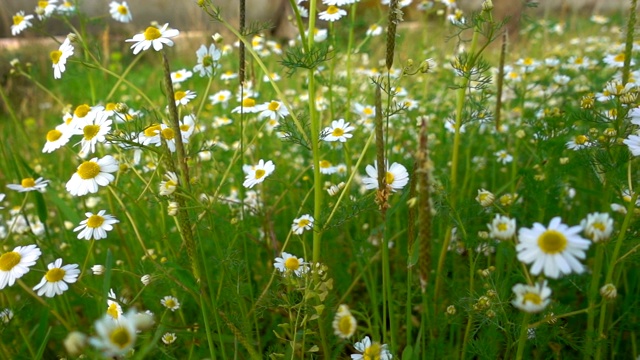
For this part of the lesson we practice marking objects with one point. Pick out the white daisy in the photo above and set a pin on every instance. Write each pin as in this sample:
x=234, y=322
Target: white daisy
x=633, y=142
x=28, y=184
x=598, y=226
x=91, y=174
x=504, y=157
x=44, y=9
x=59, y=58
x=365, y=111
x=371, y=350
x=169, y=338
x=374, y=30
x=207, y=60
x=344, y=324
x=55, y=281
x=396, y=177
x=120, y=11
x=531, y=299
x=93, y=130
x=20, y=23
x=326, y=168
x=168, y=186
x=338, y=131
x=288, y=263
x=221, y=97
x=66, y=8
x=115, y=338
x=114, y=310
x=257, y=173
x=502, y=228
x=183, y=97
x=304, y=222
x=153, y=36
x=180, y=76
x=248, y=106
x=95, y=226
x=273, y=110
x=14, y=264
x=57, y=138
x=485, y=197
x=170, y=303
x=554, y=250
x=332, y=13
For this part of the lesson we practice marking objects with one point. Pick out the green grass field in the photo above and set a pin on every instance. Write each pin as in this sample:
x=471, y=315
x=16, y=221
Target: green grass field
x=476, y=201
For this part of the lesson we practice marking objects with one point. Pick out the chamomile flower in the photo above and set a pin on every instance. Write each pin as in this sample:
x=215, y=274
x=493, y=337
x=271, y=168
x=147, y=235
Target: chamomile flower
x=344, y=324
x=57, y=138
x=20, y=23
x=326, y=167
x=120, y=11
x=504, y=157
x=597, y=226
x=116, y=338
x=6, y=315
x=93, y=130
x=180, y=76
x=91, y=174
x=153, y=36
x=333, y=13
x=553, y=250
x=44, y=9
x=59, y=58
x=531, y=299
x=114, y=309
x=66, y=8
x=207, y=60
x=183, y=97
x=273, y=110
x=374, y=30
x=578, y=143
x=95, y=226
x=14, y=264
x=55, y=280
x=29, y=184
x=633, y=142
x=371, y=350
x=485, y=197
x=257, y=173
x=248, y=106
x=288, y=264
x=168, y=186
x=169, y=338
x=365, y=111
x=304, y=222
x=338, y=131
x=616, y=60
x=502, y=228
x=170, y=303
x=221, y=97
x=396, y=177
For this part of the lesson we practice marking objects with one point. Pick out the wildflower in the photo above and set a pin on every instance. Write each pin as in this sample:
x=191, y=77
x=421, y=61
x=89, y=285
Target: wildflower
x=153, y=36
x=114, y=310
x=172, y=208
x=366, y=111
x=609, y=291
x=633, y=142
x=451, y=310
x=180, y=76
x=45, y=9
x=333, y=190
x=344, y=324
x=578, y=143
x=91, y=174
x=28, y=184
x=75, y=343
x=55, y=281
x=98, y=269
x=554, y=250
x=93, y=129
x=616, y=60
x=485, y=197
x=167, y=187
x=502, y=228
x=120, y=11
x=305, y=222
x=248, y=106
x=170, y=303
x=66, y=8
x=169, y=338
x=221, y=97
x=14, y=264
x=145, y=279
x=598, y=226
x=59, y=58
x=371, y=350
x=116, y=338
x=504, y=157
x=396, y=177
x=457, y=18
x=531, y=299
x=228, y=75
x=273, y=110
x=326, y=167
x=332, y=13
x=290, y=264
x=183, y=97
x=207, y=60
x=95, y=226
x=57, y=138
x=20, y=23
x=6, y=315
x=257, y=173
x=338, y=131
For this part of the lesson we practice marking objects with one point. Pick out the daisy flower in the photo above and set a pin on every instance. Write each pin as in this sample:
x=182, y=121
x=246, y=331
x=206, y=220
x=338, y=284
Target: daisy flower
x=59, y=58
x=502, y=228
x=248, y=106
x=116, y=338
x=183, y=97
x=14, y=264
x=338, y=131
x=485, y=197
x=578, y=143
x=633, y=142
x=616, y=60
x=91, y=174
x=396, y=177
x=20, y=23
x=344, y=324
x=207, y=60
x=94, y=130
x=374, y=30
x=304, y=222
x=228, y=75
x=597, y=226
x=6, y=315
x=28, y=184
x=366, y=111
x=44, y=9
x=257, y=173
x=221, y=97
x=168, y=186
x=288, y=263
x=120, y=11
x=273, y=110
x=180, y=76
x=65, y=8
x=326, y=168
x=153, y=36
x=114, y=310
x=169, y=338
x=554, y=250
x=503, y=157
x=170, y=303
x=57, y=138
x=371, y=350
x=531, y=299
x=332, y=13
x=55, y=281
x=95, y=226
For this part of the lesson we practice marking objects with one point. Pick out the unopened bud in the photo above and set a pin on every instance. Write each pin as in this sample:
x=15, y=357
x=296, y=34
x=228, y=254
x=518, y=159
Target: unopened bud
x=487, y=5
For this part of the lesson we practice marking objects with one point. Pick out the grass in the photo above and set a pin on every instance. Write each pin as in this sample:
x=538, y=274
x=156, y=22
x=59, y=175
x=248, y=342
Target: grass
x=418, y=268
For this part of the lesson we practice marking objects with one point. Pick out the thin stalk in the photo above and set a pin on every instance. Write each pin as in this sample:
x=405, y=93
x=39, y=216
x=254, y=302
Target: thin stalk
x=522, y=340
x=593, y=295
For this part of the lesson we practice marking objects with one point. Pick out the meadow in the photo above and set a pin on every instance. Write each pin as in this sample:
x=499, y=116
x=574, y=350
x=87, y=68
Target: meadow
x=367, y=190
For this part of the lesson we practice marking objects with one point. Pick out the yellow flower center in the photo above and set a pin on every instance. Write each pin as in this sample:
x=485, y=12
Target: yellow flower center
x=120, y=337
x=372, y=352
x=17, y=19
x=332, y=10
x=123, y=10
x=9, y=260
x=110, y=106
x=207, y=61
x=325, y=164
x=502, y=227
x=113, y=310
x=532, y=298
x=619, y=58
x=95, y=221
x=179, y=95
x=168, y=134
x=55, y=275
x=248, y=102
x=579, y=60
x=152, y=130
x=82, y=111
x=170, y=303
x=55, y=56
x=222, y=97
x=599, y=226
x=368, y=111
x=292, y=263
x=53, y=135
x=185, y=127
x=260, y=173
x=88, y=170
x=389, y=178
x=552, y=242
x=337, y=132
x=90, y=131
x=581, y=139
x=344, y=325
x=43, y=4
x=304, y=222
x=152, y=33
x=28, y=183
x=274, y=106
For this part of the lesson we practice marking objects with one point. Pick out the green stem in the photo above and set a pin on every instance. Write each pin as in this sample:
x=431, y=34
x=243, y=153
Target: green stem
x=593, y=295
x=522, y=340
